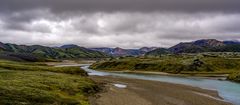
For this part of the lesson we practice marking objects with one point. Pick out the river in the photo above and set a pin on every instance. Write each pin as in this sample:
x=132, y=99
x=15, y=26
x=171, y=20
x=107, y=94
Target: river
x=230, y=91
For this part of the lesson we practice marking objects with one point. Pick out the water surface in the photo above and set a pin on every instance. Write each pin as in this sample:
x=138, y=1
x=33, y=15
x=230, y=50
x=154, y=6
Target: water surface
x=230, y=91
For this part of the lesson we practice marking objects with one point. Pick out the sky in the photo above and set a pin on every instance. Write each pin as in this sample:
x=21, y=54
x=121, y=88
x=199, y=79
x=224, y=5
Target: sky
x=117, y=23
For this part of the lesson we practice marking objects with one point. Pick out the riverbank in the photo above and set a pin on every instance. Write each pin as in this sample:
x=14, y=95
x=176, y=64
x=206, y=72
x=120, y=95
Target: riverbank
x=144, y=92
x=129, y=97
x=35, y=83
x=216, y=67
x=197, y=75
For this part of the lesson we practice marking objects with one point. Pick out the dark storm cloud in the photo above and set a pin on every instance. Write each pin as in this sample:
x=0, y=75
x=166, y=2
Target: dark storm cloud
x=118, y=23
x=60, y=6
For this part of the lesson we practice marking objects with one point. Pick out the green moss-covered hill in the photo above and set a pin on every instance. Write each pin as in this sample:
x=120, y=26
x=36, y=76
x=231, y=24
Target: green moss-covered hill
x=13, y=51
x=199, y=46
x=234, y=77
x=39, y=84
x=184, y=64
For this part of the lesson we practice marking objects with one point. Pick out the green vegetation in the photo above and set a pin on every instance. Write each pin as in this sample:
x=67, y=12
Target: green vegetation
x=9, y=65
x=184, y=64
x=234, y=77
x=158, y=52
x=199, y=46
x=42, y=53
x=39, y=84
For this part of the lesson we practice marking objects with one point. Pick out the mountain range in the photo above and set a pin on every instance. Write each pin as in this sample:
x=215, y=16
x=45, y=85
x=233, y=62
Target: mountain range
x=35, y=52
x=204, y=45
x=124, y=52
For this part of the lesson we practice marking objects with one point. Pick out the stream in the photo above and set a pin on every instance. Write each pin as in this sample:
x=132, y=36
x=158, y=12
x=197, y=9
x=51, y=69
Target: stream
x=230, y=91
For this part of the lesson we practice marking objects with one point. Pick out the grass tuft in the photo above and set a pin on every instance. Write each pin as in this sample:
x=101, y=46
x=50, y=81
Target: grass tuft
x=10, y=65
x=38, y=84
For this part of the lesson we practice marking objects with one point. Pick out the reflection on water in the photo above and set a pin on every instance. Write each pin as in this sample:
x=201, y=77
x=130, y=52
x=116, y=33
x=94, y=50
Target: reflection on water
x=230, y=91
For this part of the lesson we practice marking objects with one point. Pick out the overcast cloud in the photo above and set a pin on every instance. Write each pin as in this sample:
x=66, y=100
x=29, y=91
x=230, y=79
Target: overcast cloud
x=117, y=23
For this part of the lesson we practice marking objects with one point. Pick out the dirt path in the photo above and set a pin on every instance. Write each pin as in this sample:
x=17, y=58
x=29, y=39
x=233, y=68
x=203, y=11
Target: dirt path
x=143, y=92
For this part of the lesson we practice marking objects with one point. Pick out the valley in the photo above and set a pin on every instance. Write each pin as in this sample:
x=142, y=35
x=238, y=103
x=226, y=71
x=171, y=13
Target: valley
x=119, y=52
x=56, y=74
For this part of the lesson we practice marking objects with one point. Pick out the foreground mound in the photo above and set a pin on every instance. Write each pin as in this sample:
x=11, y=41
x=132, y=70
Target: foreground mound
x=39, y=84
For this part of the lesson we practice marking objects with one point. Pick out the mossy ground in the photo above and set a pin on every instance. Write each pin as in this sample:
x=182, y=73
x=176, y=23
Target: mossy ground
x=234, y=77
x=28, y=66
x=178, y=64
x=39, y=84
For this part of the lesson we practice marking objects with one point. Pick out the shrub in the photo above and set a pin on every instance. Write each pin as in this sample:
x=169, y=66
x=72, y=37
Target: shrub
x=44, y=88
x=234, y=77
x=41, y=67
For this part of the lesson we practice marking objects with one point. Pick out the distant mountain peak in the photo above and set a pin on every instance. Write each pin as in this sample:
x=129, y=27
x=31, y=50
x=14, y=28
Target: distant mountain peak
x=231, y=42
x=147, y=49
x=208, y=42
x=118, y=49
x=202, y=45
x=49, y=52
x=1, y=45
x=69, y=46
x=125, y=52
x=206, y=45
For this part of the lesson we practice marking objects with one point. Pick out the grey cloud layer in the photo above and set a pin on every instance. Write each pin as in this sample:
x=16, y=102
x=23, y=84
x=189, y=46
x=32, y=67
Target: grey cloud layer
x=123, y=5
x=117, y=23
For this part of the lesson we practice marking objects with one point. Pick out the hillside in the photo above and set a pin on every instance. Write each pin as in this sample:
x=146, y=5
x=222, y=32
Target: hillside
x=205, y=45
x=158, y=51
x=75, y=51
x=124, y=52
x=199, y=46
x=28, y=83
x=13, y=51
x=183, y=64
